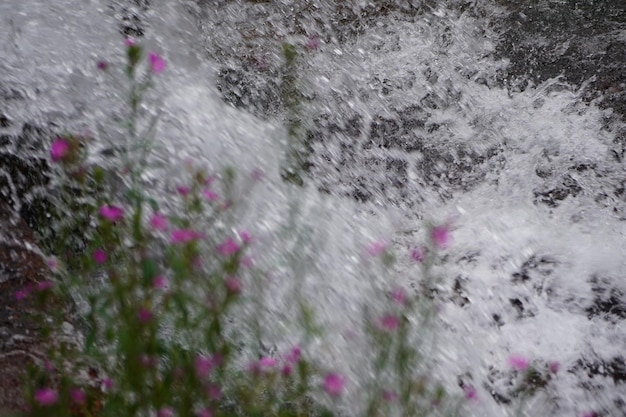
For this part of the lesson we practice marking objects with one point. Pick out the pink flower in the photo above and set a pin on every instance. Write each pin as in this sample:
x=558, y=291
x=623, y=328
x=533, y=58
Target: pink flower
x=234, y=285
x=312, y=43
x=59, y=150
x=287, y=369
x=267, y=362
x=228, y=247
x=399, y=296
x=418, y=254
x=376, y=248
x=389, y=395
x=144, y=315
x=107, y=383
x=78, y=396
x=210, y=195
x=294, y=355
x=470, y=393
x=165, y=412
x=184, y=236
x=203, y=366
x=22, y=294
x=157, y=63
x=183, y=190
x=129, y=42
x=333, y=384
x=102, y=65
x=518, y=362
x=99, y=256
x=158, y=222
x=205, y=413
x=44, y=285
x=159, y=282
x=52, y=263
x=389, y=322
x=46, y=396
x=554, y=367
x=245, y=236
x=440, y=236
x=112, y=213
x=147, y=361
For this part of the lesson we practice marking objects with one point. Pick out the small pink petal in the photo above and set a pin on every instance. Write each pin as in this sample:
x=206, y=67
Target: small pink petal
x=159, y=222
x=376, y=248
x=440, y=236
x=78, y=396
x=184, y=236
x=333, y=384
x=234, y=285
x=228, y=247
x=60, y=149
x=165, y=412
x=46, y=396
x=112, y=213
x=399, y=296
x=518, y=362
x=418, y=254
x=157, y=63
x=99, y=256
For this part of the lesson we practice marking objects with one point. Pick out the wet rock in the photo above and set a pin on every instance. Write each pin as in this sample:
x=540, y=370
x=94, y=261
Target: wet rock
x=256, y=93
x=609, y=302
x=552, y=197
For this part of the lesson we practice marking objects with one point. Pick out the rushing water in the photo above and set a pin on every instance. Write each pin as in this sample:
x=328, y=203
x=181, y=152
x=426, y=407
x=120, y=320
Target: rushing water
x=408, y=117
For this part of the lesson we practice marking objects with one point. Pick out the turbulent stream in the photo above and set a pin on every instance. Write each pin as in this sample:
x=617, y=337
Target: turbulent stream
x=503, y=118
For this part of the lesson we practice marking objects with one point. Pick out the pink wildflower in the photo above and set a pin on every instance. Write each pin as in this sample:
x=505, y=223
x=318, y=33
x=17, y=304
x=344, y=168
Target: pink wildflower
x=129, y=42
x=210, y=195
x=183, y=190
x=184, y=236
x=165, y=412
x=333, y=384
x=440, y=236
x=46, y=396
x=312, y=43
x=159, y=282
x=203, y=366
x=108, y=384
x=294, y=355
x=245, y=236
x=554, y=367
x=22, y=294
x=389, y=322
x=44, y=285
x=102, y=65
x=418, y=254
x=144, y=315
x=267, y=362
x=147, y=361
x=228, y=247
x=205, y=413
x=59, y=150
x=234, y=285
x=287, y=370
x=112, y=213
x=78, y=396
x=376, y=248
x=518, y=362
x=157, y=63
x=470, y=393
x=399, y=296
x=158, y=222
x=257, y=174
x=99, y=256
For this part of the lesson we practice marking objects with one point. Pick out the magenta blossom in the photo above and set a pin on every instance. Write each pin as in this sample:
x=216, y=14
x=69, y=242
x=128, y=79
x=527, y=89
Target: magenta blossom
x=214, y=392
x=165, y=412
x=184, y=236
x=159, y=222
x=129, y=42
x=554, y=367
x=312, y=43
x=294, y=354
x=78, y=396
x=204, y=365
x=518, y=362
x=99, y=256
x=183, y=190
x=144, y=315
x=60, y=149
x=210, y=195
x=159, y=282
x=44, y=285
x=245, y=236
x=470, y=393
x=46, y=396
x=205, y=413
x=228, y=248
x=418, y=254
x=399, y=295
x=234, y=285
x=389, y=322
x=21, y=294
x=157, y=63
x=102, y=65
x=333, y=384
x=440, y=236
x=267, y=362
x=112, y=213
x=52, y=263
x=376, y=248
x=108, y=384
